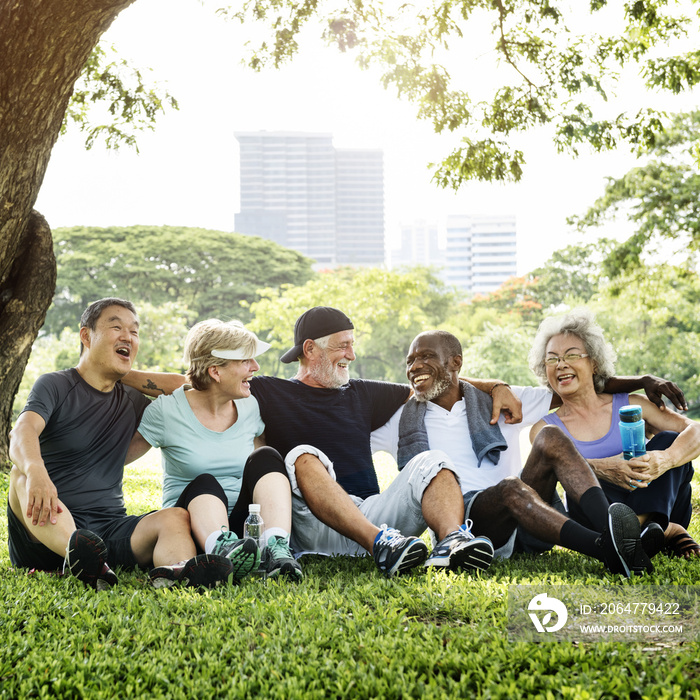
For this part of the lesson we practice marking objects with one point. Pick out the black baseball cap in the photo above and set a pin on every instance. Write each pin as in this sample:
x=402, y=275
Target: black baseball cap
x=316, y=323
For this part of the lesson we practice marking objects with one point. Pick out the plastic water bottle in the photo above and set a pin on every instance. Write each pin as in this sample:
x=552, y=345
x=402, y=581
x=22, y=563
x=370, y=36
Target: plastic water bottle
x=253, y=526
x=632, y=432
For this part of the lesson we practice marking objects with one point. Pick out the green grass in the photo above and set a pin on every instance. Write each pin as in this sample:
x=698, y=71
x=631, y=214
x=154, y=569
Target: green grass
x=345, y=631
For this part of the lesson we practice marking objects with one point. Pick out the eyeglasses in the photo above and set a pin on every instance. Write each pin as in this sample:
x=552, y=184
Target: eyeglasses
x=568, y=358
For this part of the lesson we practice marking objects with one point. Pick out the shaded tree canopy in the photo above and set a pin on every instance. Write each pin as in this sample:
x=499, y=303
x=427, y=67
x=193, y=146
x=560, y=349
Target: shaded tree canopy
x=659, y=197
x=210, y=272
x=574, y=273
x=558, y=64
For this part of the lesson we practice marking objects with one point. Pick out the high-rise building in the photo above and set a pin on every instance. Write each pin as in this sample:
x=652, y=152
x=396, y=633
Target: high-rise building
x=300, y=191
x=419, y=245
x=481, y=252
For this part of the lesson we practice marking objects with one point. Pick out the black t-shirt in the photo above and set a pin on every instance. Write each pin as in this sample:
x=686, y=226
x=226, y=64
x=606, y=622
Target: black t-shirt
x=336, y=421
x=86, y=438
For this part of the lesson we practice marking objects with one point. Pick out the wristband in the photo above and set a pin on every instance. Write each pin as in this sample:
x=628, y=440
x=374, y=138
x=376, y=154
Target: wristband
x=496, y=385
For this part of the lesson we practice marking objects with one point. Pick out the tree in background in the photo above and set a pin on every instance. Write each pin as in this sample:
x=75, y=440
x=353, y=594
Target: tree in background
x=500, y=352
x=209, y=272
x=559, y=64
x=651, y=318
x=388, y=309
x=572, y=275
x=659, y=197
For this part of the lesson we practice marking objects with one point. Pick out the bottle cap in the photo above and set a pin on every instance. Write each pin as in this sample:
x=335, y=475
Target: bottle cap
x=630, y=414
x=254, y=508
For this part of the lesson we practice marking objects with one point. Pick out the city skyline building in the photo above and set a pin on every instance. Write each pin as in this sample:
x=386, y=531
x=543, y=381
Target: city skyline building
x=298, y=190
x=481, y=252
x=419, y=244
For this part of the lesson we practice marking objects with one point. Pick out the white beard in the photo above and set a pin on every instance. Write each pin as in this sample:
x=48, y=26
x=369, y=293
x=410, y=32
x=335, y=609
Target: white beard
x=328, y=375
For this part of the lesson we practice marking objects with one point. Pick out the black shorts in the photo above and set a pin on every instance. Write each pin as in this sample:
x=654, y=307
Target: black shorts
x=115, y=531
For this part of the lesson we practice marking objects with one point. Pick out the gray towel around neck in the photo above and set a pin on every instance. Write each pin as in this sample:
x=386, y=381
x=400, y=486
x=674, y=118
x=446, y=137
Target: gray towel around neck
x=487, y=440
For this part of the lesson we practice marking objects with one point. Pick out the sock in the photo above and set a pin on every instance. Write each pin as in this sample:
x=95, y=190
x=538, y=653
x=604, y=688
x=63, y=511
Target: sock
x=575, y=536
x=273, y=532
x=594, y=503
x=211, y=540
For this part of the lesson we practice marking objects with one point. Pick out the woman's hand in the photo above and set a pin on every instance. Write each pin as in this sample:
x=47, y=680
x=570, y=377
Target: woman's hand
x=620, y=472
x=652, y=464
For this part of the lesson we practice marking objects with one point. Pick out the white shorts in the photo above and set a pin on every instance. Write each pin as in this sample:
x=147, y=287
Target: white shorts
x=398, y=506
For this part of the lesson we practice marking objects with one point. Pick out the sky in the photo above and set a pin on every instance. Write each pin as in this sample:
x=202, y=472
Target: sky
x=186, y=171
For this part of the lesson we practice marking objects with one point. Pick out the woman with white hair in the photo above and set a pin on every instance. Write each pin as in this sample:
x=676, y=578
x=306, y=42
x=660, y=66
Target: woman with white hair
x=215, y=463
x=571, y=356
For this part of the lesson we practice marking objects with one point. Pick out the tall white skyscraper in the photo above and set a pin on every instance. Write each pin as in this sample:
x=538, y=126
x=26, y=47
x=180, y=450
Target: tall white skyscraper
x=300, y=191
x=481, y=252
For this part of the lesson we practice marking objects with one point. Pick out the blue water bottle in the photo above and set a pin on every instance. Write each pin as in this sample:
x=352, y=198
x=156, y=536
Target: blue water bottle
x=632, y=432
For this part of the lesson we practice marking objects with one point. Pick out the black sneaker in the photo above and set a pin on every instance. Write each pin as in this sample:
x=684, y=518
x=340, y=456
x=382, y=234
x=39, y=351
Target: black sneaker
x=86, y=559
x=396, y=554
x=653, y=539
x=461, y=550
x=621, y=543
x=206, y=570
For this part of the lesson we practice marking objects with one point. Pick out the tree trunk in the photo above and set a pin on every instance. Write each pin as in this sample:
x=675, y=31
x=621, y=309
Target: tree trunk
x=43, y=47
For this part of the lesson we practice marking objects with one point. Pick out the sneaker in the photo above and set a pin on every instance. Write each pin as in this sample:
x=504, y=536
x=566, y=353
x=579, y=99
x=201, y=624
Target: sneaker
x=244, y=555
x=621, y=543
x=653, y=539
x=396, y=554
x=86, y=559
x=206, y=570
x=279, y=560
x=462, y=550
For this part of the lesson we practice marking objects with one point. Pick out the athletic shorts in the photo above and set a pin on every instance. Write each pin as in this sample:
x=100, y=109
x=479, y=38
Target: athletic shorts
x=116, y=533
x=398, y=506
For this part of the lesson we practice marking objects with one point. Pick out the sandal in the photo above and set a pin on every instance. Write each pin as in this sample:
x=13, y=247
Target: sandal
x=682, y=545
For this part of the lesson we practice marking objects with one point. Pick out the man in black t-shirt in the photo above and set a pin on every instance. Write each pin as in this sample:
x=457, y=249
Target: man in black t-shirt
x=69, y=448
x=322, y=421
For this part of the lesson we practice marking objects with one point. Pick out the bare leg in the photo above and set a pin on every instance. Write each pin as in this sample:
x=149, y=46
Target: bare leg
x=331, y=504
x=163, y=538
x=274, y=494
x=554, y=458
x=54, y=536
x=498, y=510
x=207, y=514
x=443, y=504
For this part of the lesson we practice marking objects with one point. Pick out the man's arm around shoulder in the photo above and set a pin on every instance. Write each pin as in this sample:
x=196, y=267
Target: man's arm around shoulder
x=504, y=400
x=153, y=383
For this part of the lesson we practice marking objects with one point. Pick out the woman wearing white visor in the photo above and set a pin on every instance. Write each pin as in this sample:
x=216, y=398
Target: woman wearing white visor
x=214, y=460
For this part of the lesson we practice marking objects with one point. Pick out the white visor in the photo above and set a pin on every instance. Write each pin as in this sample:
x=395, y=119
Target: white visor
x=240, y=354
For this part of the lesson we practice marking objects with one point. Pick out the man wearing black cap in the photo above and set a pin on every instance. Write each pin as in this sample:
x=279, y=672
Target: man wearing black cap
x=322, y=420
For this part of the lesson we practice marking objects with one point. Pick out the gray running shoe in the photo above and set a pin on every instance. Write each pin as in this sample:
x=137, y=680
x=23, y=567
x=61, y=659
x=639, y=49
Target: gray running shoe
x=462, y=550
x=244, y=555
x=86, y=559
x=396, y=554
x=279, y=560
